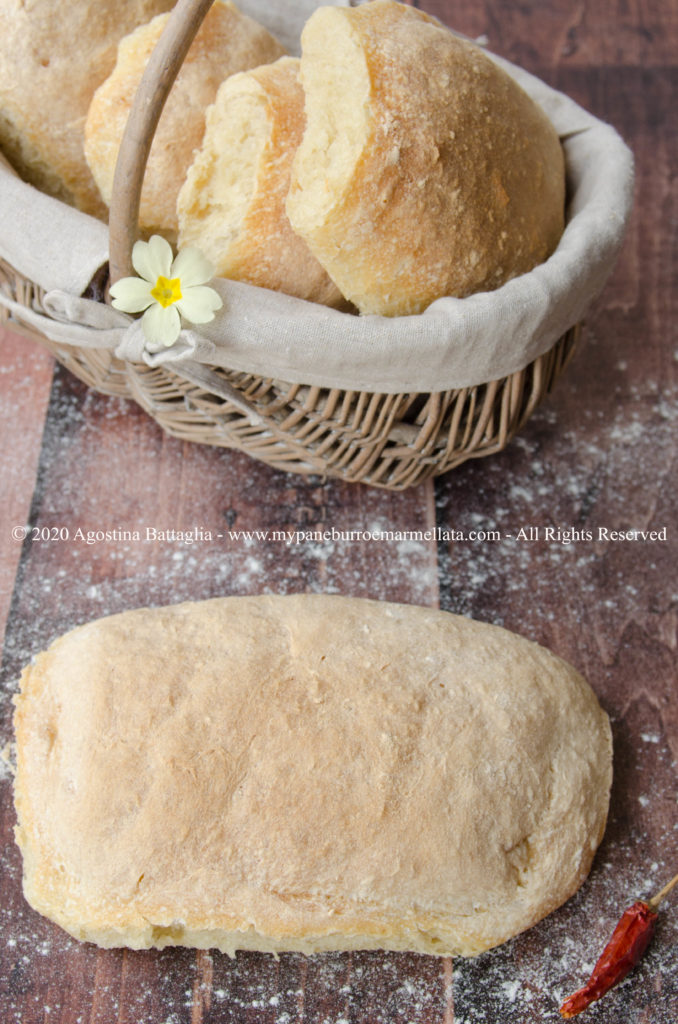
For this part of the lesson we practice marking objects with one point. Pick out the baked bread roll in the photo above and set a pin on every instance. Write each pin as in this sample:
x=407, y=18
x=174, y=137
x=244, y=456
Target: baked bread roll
x=425, y=170
x=305, y=773
x=226, y=42
x=232, y=204
x=52, y=58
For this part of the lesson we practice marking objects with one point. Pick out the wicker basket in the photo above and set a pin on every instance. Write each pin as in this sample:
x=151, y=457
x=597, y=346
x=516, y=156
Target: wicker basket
x=387, y=440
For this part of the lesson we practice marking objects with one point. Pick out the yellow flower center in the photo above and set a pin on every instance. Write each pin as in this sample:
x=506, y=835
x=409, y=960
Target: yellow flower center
x=166, y=291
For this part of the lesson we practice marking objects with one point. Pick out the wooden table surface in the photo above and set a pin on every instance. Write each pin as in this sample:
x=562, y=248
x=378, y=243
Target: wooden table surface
x=599, y=454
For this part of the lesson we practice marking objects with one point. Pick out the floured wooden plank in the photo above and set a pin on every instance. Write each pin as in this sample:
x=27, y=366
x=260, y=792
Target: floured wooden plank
x=25, y=382
x=139, y=518
x=580, y=554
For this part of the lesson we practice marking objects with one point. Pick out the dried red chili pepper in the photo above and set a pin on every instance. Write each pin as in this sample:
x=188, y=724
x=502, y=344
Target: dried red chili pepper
x=629, y=941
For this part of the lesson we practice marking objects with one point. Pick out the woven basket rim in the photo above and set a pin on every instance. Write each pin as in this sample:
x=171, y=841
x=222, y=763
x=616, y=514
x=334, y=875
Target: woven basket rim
x=386, y=441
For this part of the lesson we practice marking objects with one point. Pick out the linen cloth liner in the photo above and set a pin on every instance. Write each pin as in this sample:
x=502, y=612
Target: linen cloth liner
x=455, y=343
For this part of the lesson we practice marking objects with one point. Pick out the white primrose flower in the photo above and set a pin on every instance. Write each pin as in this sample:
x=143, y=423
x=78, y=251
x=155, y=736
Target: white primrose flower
x=167, y=290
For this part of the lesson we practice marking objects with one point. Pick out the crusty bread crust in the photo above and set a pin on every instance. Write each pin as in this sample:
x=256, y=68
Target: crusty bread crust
x=227, y=41
x=232, y=205
x=425, y=170
x=52, y=58
x=305, y=773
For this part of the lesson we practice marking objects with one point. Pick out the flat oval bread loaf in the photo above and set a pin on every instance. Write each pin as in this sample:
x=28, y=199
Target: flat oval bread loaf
x=305, y=773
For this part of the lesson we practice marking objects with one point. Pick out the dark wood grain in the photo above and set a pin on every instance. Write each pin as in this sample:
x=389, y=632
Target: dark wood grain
x=25, y=381
x=601, y=454
x=105, y=467
x=565, y=33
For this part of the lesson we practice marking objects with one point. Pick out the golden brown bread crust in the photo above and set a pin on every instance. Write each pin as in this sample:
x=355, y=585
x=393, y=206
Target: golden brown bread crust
x=232, y=204
x=52, y=58
x=305, y=773
x=425, y=169
x=227, y=41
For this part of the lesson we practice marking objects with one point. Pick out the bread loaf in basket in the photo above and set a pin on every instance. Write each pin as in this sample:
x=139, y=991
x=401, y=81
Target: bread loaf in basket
x=385, y=400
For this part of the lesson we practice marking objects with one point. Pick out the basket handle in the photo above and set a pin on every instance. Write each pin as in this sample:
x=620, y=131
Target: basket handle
x=158, y=78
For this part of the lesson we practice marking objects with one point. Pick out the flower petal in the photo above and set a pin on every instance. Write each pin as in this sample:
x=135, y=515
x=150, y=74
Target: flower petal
x=160, y=326
x=192, y=267
x=152, y=259
x=198, y=304
x=131, y=294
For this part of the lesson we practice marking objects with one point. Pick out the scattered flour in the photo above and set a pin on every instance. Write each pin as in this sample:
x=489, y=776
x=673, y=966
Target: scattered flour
x=583, y=598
